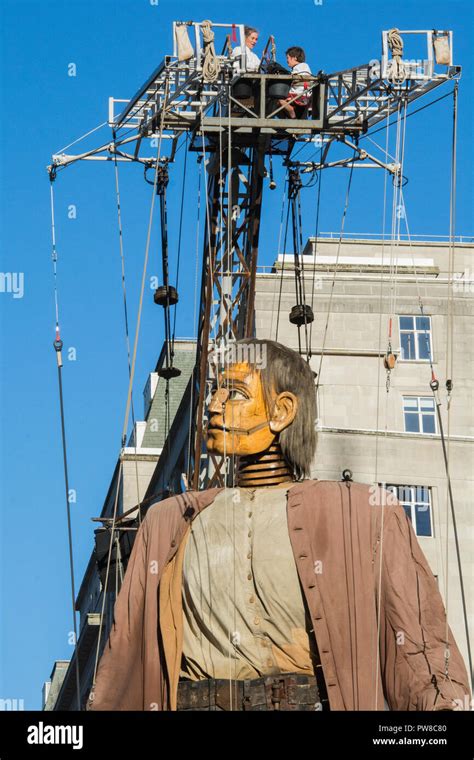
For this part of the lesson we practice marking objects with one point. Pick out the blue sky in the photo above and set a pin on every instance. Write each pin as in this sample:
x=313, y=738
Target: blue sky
x=115, y=46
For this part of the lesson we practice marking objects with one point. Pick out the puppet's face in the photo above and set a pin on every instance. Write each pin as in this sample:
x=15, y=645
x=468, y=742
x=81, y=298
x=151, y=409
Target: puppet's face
x=239, y=422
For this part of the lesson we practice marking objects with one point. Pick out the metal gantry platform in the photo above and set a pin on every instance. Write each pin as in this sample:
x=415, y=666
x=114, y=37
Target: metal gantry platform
x=176, y=98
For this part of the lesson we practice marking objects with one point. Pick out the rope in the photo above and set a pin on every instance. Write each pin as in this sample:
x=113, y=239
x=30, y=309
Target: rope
x=163, y=180
x=69, y=526
x=197, y=454
x=303, y=286
x=58, y=344
x=335, y=272
x=229, y=231
x=230, y=203
x=449, y=345
x=282, y=214
x=282, y=267
x=298, y=260
x=54, y=255
x=170, y=333
x=90, y=132
x=452, y=223
x=196, y=275
x=449, y=383
x=142, y=289
x=316, y=231
x=125, y=309
x=412, y=113
x=450, y=502
x=395, y=235
x=397, y=208
x=179, y=240
x=393, y=273
x=397, y=71
x=379, y=595
x=387, y=155
x=294, y=178
x=211, y=65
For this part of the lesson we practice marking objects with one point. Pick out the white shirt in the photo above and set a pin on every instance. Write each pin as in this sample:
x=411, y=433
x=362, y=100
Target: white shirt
x=252, y=61
x=300, y=68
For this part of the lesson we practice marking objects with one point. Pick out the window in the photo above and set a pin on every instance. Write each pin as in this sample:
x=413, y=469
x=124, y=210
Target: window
x=416, y=501
x=415, y=338
x=419, y=412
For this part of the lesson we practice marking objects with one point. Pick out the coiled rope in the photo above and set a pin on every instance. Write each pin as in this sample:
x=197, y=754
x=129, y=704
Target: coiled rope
x=211, y=65
x=397, y=72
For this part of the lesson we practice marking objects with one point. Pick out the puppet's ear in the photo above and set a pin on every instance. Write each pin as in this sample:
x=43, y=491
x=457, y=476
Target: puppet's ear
x=284, y=411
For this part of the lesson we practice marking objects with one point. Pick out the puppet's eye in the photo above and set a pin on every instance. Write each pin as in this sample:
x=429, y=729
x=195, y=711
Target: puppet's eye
x=236, y=395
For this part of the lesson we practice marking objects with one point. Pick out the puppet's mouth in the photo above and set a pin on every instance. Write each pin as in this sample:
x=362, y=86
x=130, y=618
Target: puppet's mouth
x=239, y=431
x=214, y=428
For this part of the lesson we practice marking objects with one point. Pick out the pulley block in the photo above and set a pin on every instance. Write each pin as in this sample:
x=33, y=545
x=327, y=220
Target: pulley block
x=300, y=314
x=167, y=373
x=166, y=296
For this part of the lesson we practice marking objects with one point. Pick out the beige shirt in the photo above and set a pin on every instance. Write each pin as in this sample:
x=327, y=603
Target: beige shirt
x=244, y=614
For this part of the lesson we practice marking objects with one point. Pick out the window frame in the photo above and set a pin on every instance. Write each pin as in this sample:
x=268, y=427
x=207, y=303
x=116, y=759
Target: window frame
x=416, y=332
x=419, y=413
x=395, y=488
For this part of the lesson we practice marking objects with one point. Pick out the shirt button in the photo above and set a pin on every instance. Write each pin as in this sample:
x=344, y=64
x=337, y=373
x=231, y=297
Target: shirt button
x=250, y=514
x=249, y=533
x=269, y=663
x=249, y=577
x=256, y=620
x=252, y=599
x=249, y=555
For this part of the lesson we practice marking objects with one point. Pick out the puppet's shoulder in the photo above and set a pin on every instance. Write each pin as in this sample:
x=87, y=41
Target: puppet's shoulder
x=362, y=496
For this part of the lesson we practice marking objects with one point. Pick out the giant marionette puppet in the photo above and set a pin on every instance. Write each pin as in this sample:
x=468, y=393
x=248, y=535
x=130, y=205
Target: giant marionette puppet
x=284, y=593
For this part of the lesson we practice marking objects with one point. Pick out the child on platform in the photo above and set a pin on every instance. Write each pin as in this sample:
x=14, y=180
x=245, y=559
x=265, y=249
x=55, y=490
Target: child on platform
x=298, y=96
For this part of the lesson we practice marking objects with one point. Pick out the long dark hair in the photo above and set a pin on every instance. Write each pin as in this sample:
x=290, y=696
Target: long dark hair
x=282, y=369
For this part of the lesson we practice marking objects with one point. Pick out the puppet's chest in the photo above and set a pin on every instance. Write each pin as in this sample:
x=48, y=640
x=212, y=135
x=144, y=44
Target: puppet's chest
x=241, y=593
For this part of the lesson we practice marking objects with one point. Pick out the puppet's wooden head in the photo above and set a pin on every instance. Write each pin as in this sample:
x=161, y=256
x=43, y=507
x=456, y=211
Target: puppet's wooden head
x=266, y=395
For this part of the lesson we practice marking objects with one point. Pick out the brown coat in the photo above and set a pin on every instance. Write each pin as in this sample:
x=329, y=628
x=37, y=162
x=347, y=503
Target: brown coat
x=336, y=536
